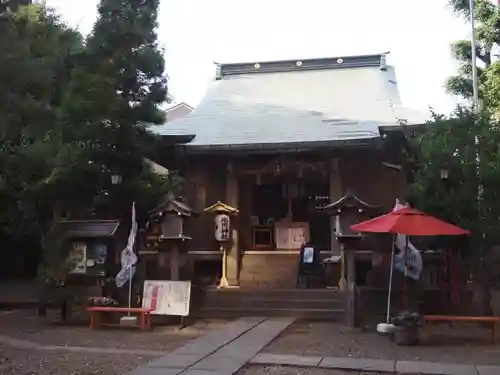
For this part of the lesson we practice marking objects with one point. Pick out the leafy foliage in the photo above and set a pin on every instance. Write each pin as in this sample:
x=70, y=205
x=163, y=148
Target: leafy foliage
x=447, y=143
x=9, y=7
x=467, y=145
x=469, y=196
x=72, y=113
x=115, y=89
x=33, y=74
x=124, y=48
x=488, y=37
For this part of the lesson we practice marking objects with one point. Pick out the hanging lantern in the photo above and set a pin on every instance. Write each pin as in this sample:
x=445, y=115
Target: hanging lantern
x=222, y=227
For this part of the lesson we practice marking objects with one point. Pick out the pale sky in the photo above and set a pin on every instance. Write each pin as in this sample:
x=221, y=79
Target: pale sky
x=197, y=33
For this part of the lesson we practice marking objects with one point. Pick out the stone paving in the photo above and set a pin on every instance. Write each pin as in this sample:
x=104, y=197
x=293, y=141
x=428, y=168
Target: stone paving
x=220, y=352
x=225, y=351
x=376, y=365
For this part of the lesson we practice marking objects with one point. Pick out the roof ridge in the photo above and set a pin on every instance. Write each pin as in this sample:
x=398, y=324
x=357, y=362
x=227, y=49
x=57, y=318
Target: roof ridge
x=338, y=62
x=178, y=105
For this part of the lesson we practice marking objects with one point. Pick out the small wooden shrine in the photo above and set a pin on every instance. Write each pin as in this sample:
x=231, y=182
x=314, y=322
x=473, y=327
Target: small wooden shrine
x=347, y=211
x=166, y=239
x=79, y=257
x=89, y=246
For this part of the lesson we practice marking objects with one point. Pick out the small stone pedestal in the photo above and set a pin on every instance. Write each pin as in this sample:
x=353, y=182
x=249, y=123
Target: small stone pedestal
x=128, y=321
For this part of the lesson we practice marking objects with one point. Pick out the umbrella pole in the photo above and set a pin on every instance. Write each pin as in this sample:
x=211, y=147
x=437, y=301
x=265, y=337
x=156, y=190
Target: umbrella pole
x=390, y=280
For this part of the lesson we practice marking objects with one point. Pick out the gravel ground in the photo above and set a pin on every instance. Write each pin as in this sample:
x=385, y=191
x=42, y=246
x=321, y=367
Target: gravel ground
x=461, y=343
x=26, y=325
x=281, y=370
x=21, y=328
x=16, y=361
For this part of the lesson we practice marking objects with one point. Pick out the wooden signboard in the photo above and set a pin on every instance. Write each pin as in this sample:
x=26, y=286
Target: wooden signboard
x=77, y=258
x=291, y=235
x=167, y=297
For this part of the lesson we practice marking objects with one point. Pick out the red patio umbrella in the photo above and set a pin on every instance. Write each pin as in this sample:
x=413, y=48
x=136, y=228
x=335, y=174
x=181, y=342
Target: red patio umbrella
x=411, y=222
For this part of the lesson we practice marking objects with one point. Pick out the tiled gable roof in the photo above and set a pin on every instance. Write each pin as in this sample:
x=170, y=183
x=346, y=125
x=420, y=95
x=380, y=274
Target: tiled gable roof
x=178, y=111
x=291, y=104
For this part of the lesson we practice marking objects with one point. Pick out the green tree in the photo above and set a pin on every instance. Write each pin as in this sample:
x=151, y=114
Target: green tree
x=487, y=17
x=73, y=112
x=466, y=144
x=35, y=66
x=9, y=7
x=448, y=143
x=124, y=48
x=116, y=87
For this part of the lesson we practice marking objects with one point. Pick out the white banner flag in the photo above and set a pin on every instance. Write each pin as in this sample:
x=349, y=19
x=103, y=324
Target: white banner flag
x=414, y=262
x=128, y=259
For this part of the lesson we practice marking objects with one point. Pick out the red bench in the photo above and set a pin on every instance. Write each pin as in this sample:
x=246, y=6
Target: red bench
x=96, y=313
x=493, y=320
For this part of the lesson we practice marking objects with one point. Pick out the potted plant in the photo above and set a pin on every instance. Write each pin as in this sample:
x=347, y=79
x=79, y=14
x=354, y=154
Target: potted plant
x=102, y=301
x=407, y=326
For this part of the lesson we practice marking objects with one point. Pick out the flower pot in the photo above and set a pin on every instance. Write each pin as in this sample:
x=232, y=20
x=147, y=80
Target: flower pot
x=406, y=335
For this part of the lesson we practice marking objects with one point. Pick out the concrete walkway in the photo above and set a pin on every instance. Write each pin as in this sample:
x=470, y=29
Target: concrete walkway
x=377, y=365
x=220, y=352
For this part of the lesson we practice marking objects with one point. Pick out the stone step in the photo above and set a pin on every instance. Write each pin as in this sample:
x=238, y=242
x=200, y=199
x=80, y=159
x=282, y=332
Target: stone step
x=325, y=304
x=305, y=313
x=283, y=293
x=269, y=303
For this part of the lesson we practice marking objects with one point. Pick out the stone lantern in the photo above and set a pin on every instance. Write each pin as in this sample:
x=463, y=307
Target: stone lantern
x=347, y=211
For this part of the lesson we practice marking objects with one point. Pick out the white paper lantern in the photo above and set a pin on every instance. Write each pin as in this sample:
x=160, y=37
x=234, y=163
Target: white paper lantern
x=222, y=227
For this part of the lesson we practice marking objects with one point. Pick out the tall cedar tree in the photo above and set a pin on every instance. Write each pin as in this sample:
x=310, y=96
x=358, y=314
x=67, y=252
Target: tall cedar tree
x=72, y=114
x=115, y=91
x=124, y=48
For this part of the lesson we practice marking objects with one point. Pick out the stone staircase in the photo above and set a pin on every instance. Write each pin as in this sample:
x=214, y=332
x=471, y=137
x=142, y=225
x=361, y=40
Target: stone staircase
x=320, y=304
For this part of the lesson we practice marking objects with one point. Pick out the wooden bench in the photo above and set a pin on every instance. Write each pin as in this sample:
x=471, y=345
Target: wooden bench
x=493, y=320
x=96, y=313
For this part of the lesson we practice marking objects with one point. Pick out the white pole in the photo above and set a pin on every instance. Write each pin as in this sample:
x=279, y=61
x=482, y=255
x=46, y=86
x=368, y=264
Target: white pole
x=476, y=108
x=475, y=94
x=130, y=291
x=390, y=280
x=134, y=222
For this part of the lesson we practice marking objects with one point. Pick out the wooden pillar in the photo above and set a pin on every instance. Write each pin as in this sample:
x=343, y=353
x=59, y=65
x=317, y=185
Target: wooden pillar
x=233, y=256
x=174, y=263
x=335, y=192
x=245, y=207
